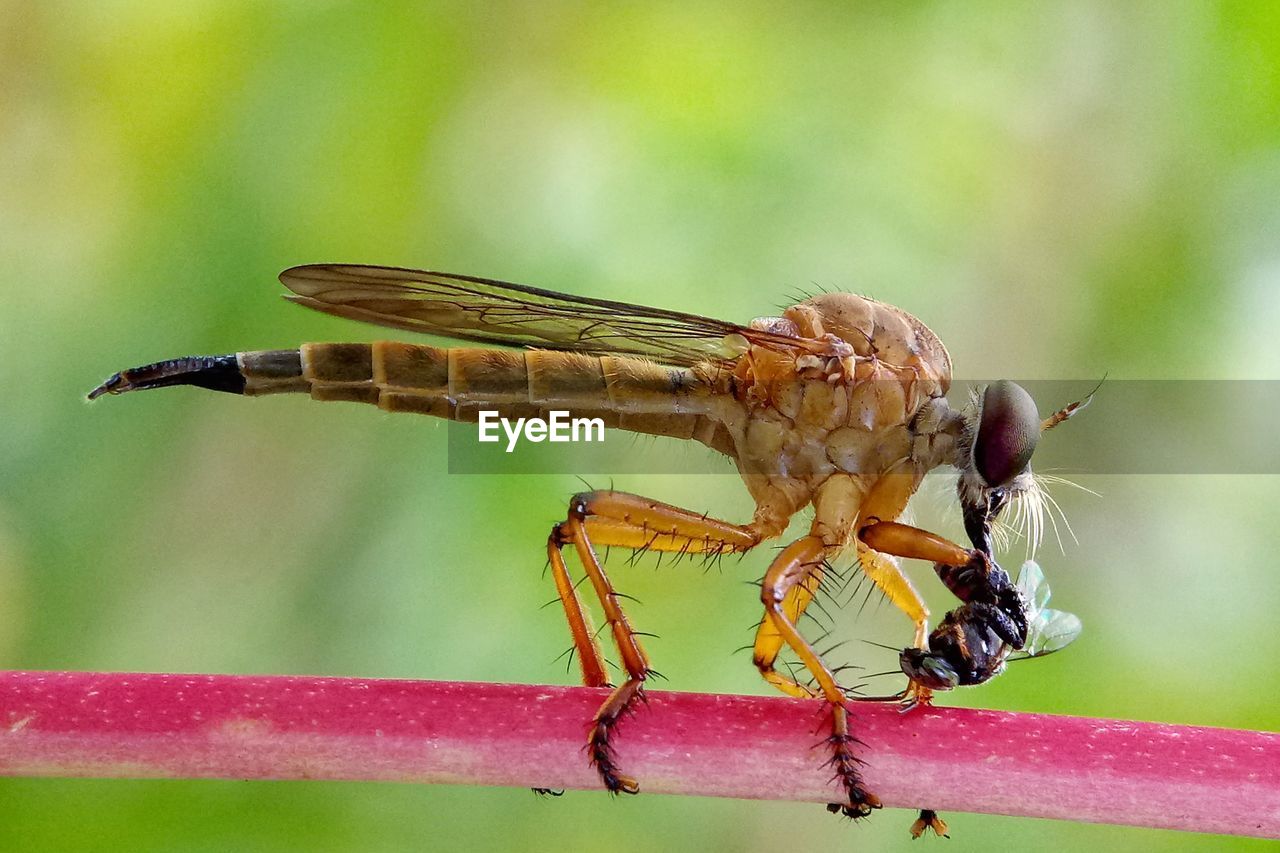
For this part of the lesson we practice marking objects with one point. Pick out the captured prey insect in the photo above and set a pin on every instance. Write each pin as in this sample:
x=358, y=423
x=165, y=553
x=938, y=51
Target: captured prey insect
x=838, y=404
x=998, y=619
x=972, y=643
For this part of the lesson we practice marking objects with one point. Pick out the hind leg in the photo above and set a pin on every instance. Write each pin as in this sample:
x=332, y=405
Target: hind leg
x=625, y=520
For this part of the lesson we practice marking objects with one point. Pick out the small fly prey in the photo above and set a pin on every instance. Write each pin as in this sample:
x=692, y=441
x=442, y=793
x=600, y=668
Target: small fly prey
x=838, y=404
x=998, y=618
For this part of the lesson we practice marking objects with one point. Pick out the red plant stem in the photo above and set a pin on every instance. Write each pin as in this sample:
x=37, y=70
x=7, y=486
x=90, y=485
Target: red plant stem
x=951, y=759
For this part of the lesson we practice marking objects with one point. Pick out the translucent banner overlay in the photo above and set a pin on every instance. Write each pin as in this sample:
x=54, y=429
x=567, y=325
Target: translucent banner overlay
x=1131, y=427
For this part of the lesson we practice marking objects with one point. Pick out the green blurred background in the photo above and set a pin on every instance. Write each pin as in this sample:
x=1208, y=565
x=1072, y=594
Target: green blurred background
x=1058, y=189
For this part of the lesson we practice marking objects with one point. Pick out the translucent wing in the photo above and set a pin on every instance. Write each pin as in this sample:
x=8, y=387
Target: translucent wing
x=1047, y=630
x=1052, y=631
x=1033, y=586
x=496, y=312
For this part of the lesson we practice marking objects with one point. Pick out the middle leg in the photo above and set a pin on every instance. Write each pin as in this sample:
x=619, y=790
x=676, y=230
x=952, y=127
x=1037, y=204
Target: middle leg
x=793, y=570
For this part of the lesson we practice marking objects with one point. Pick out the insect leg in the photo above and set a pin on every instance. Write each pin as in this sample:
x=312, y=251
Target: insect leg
x=768, y=643
x=792, y=568
x=887, y=499
x=902, y=540
x=897, y=587
x=584, y=635
x=634, y=659
x=968, y=572
x=621, y=519
x=929, y=821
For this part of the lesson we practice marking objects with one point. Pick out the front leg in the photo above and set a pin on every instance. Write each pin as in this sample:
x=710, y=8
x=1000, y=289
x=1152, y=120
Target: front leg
x=969, y=573
x=963, y=570
x=887, y=499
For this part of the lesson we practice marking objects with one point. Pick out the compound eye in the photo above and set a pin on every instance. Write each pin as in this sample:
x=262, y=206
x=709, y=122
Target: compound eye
x=928, y=669
x=1008, y=430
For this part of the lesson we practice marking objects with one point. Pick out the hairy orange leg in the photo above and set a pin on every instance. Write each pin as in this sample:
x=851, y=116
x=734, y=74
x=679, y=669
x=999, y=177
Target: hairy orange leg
x=887, y=499
x=584, y=636
x=903, y=540
x=897, y=587
x=769, y=641
x=880, y=538
x=787, y=589
x=879, y=535
x=792, y=570
x=629, y=521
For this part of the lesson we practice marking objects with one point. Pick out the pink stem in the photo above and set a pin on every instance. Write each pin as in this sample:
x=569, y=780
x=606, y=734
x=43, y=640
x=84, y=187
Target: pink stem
x=951, y=759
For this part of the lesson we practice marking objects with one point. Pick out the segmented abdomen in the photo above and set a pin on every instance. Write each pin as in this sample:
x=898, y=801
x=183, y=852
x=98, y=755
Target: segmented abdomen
x=458, y=383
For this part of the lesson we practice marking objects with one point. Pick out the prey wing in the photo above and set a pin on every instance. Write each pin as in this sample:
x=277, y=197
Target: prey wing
x=1053, y=630
x=1048, y=630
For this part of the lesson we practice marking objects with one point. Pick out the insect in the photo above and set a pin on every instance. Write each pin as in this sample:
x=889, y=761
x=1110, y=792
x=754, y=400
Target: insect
x=838, y=404
x=972, y=643
x=998, y=618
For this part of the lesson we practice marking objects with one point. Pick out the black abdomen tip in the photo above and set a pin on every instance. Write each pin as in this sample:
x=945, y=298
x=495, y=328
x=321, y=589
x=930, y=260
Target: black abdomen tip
x=215, y=372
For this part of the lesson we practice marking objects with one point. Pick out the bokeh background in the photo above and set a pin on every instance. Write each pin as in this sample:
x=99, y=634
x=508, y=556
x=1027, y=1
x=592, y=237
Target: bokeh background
x=1060, y=190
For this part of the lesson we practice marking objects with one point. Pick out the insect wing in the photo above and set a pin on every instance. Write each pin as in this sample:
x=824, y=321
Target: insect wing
x=1033, y=586
x=1052, y=631
x=1048, y=630
x=497, y=312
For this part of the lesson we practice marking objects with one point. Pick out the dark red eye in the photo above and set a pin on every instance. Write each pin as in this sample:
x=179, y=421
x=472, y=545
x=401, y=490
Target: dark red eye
x=1007, y=433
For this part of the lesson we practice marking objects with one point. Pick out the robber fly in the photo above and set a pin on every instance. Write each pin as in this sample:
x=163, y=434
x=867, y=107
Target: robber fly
x=838, y=403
